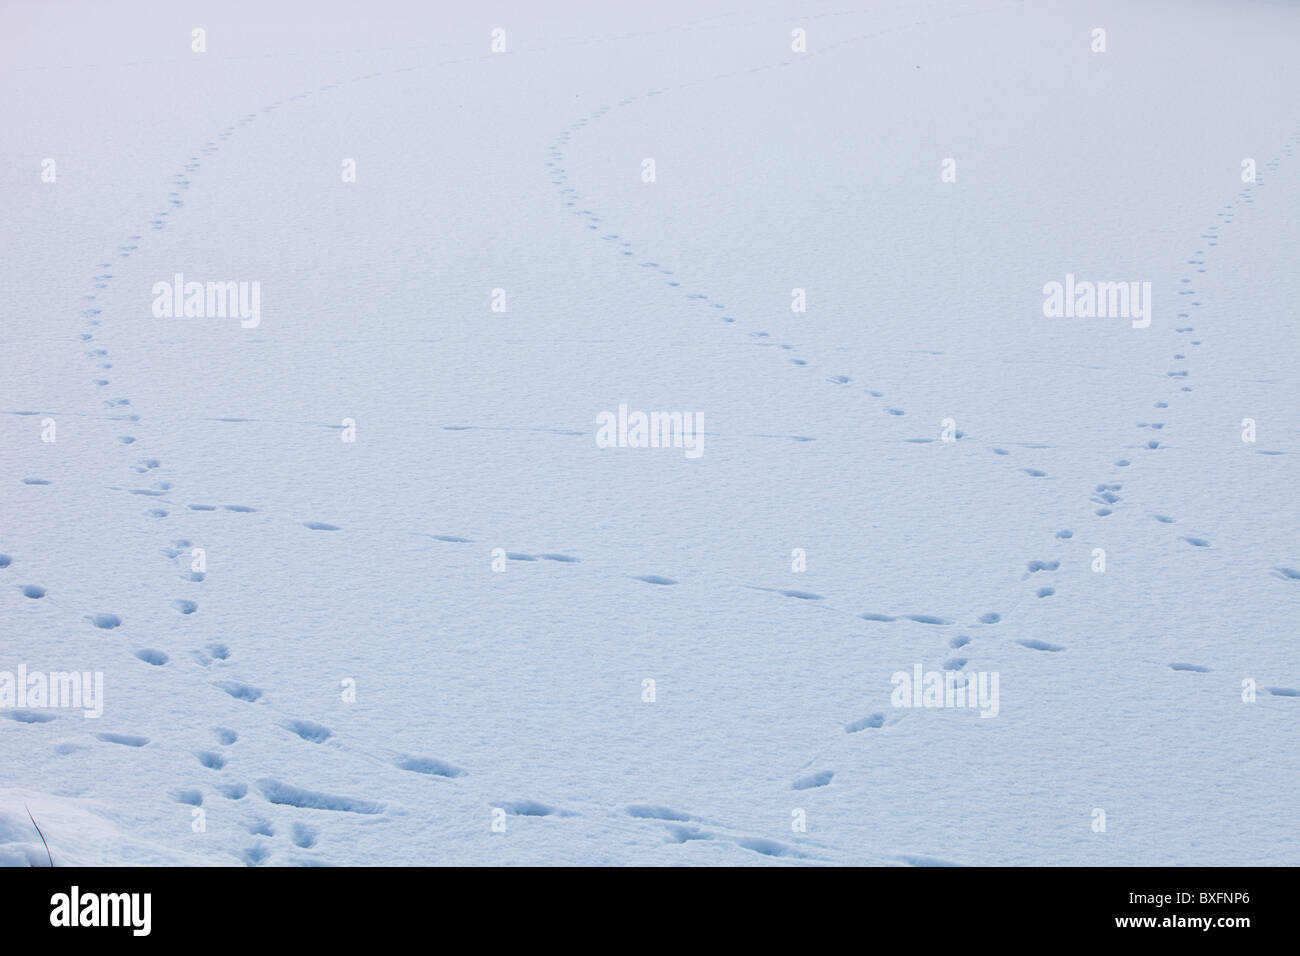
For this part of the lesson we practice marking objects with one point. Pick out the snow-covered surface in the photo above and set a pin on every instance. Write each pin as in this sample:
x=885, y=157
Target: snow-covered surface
x=522, y=690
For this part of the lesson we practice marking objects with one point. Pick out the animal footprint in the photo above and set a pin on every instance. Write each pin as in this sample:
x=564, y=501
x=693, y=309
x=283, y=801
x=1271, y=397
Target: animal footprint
x=875, y=721
x=813, y=780
x=430, y=766
x=303, y=836
x=309, y=730
x=238, y=690
x=653, y=579
x=126, y=740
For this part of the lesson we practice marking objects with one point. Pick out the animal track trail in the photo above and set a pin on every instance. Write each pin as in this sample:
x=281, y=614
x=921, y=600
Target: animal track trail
x=680, y=828
x=801, y=596
x=1199, y=260
x=554, y=167
x=218, y=655
x=1106, y=496
x=213, y=654
x=712, y=305
x=292, y=797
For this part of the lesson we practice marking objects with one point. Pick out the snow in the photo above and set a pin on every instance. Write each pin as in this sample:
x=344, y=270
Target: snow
x=344, y=678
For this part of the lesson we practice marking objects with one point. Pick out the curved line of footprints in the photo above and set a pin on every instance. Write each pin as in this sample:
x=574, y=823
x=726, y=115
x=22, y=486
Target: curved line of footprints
x=677, y=826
